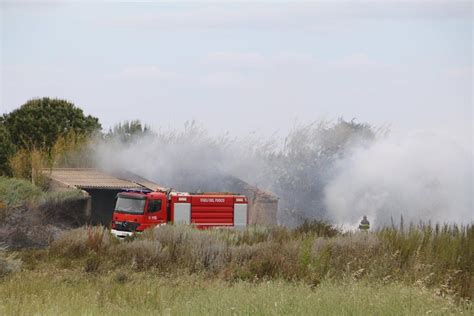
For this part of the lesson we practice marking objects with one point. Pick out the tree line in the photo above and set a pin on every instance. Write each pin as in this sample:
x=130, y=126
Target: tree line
x=46, y=133
x=42, y=131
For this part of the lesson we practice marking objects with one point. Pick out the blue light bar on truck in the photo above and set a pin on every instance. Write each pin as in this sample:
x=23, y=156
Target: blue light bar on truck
x=135, y=190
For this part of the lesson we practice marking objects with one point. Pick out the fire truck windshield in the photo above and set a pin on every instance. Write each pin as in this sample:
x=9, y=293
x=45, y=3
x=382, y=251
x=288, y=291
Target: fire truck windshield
x=134, y=205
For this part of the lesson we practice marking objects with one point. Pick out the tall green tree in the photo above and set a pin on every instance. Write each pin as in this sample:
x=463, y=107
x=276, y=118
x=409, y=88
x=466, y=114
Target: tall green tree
x=6, y=149
x=128, y=130
x=40, y=122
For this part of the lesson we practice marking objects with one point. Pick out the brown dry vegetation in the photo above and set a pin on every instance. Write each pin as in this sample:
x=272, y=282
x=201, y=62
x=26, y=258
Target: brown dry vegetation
x=423, y=260
x=436, y=258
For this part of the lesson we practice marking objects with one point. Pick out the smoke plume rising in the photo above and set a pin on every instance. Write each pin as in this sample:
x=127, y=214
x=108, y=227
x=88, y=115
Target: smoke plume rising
x=186, y=160
x=422, y=177
x=334, y=171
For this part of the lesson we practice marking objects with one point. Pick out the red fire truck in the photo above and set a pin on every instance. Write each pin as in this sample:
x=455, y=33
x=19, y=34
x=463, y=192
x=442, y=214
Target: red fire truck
x=136, y=210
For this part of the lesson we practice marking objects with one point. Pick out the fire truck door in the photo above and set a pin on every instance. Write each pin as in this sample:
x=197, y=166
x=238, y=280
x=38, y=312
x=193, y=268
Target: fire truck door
x=156, y=212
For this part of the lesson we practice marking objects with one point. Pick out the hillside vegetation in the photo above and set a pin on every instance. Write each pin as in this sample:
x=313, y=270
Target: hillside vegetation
x=30, y=217
x=16, y=192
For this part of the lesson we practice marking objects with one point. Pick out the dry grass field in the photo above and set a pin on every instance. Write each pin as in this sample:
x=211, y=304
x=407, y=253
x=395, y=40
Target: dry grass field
x=180, y=270
x=174, y=270
x=124, y=292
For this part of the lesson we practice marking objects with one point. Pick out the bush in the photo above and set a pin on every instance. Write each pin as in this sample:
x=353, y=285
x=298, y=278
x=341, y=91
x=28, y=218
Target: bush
x=66, y=207
x=191, y=249
x=438, y=258
x=141, y=254
x=92, y=263
x=79, y=242
x=8, y=264
x=17, y=192
x=318, y=228
x=264, y=261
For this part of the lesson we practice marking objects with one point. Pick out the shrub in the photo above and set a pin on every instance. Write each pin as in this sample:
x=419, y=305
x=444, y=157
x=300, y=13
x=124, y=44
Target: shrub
x=79, y=242
x=439, y=258
x=8, y=264
x=192, y=249
x=92, y=263
x=121, y=277
x=318, y=228
x=141, y=254
x=17, y=192
x=66, y=207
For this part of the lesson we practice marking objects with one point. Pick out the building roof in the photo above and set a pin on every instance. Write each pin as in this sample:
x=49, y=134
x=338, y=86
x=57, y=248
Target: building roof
x=84, y=178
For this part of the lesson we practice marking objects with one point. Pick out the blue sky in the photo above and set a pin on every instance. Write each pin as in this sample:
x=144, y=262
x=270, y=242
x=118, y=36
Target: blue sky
x=245, y=66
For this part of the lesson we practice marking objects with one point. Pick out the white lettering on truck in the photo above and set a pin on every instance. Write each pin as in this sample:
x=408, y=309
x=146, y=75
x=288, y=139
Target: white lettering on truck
x=212, y=200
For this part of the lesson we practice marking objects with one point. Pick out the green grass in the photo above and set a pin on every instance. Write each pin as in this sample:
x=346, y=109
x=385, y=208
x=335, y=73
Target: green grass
x=125, y=293
x=177, y=270
x=442, y=261
x=314, y=269
x=16, y=192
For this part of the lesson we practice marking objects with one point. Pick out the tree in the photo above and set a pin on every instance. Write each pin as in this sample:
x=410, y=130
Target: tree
x=128, y=130
x=303, y=167
x=6, y=149
x=40, y=122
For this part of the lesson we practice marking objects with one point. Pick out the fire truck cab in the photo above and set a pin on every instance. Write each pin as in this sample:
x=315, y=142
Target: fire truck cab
x=136, y=211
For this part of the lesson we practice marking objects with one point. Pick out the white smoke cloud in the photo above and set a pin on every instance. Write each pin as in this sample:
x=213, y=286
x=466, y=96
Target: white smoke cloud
x=186, y=160
x=420, y=176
